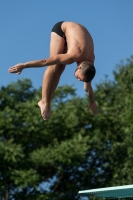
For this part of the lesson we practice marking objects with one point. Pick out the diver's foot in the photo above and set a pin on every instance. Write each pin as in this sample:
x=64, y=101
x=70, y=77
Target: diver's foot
x=45, y=110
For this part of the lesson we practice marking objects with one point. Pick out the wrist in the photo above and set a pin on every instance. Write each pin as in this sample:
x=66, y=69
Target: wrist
x=24, y=65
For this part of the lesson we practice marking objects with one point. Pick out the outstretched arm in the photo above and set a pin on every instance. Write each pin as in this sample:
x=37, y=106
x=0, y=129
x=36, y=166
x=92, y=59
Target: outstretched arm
x=89, y=91
x=57, y=59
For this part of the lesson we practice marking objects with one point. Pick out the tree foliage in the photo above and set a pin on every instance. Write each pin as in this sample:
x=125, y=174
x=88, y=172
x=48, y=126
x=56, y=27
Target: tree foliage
x=73, y=150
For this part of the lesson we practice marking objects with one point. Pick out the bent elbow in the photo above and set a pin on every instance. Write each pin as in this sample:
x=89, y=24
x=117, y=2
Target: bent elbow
x=70, y=60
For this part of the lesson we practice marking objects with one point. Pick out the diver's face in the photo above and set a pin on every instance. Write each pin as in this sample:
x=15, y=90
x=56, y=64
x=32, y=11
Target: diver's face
x=78, y=74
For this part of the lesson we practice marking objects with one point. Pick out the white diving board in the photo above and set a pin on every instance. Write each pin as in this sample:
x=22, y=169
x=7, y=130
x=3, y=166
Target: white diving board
x=125, y=191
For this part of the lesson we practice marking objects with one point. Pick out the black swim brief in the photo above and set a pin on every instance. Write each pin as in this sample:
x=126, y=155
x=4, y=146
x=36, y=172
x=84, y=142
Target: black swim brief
x=57, y=29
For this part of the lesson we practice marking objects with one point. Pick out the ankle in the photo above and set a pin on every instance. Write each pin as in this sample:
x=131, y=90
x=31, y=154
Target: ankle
x=44, y=102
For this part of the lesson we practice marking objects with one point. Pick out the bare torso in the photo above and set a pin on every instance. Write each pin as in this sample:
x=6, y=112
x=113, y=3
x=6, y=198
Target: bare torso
x=79, y=41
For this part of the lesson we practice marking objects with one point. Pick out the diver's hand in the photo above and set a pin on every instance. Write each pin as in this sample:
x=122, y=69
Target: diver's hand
x=16, y=68
x=93, y=107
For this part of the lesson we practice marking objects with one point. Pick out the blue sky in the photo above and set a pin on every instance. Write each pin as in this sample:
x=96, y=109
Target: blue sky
x=25, y=28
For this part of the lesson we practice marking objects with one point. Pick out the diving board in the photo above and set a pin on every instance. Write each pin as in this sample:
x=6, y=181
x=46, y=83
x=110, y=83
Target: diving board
x=125, y=191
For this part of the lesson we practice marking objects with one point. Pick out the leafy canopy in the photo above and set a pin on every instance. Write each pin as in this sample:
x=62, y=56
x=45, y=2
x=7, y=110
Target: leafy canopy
x=73, y=150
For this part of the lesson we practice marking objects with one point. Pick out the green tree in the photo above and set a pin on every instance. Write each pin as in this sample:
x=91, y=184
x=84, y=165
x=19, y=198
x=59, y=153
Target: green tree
x=73, y=150
x=34, y=153
x=116, y=119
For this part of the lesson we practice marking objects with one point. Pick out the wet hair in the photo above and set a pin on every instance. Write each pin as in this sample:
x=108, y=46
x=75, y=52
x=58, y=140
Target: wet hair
x=88, y=71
